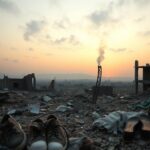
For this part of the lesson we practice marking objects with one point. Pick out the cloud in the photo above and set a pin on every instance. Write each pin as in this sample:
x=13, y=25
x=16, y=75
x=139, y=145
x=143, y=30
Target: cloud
x=140, y=19
x=134, y=2
x=13, y=48
x=32, y=28
x=54, y=2
x=9, y=6
x=99, y=17
x=11, y=60
x=72, y=39
x=142, y=2
x=48, y=54
x=61, y=40
x=107, y=15
x=118, y=50
x=30, y=49
x=15, y=60
x=145, y=33
x=63, y=24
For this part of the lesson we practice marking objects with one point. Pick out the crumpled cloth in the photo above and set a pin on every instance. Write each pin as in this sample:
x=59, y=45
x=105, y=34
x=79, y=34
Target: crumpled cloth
x=142, y=105
x=114, y=122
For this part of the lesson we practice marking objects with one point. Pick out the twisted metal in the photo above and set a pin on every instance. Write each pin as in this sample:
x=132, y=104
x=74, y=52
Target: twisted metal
x=98, y=84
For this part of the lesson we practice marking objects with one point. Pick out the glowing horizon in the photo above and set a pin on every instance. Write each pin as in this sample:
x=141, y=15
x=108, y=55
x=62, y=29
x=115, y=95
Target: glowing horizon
x=63, y=36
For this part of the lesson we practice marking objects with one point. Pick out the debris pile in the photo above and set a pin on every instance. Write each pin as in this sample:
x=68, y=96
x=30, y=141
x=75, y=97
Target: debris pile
x=102, y=125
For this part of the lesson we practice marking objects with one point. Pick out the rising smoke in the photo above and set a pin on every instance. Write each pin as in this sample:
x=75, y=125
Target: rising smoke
x=100, y=58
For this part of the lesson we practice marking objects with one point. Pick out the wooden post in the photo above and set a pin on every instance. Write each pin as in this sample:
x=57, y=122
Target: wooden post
x=136, y=76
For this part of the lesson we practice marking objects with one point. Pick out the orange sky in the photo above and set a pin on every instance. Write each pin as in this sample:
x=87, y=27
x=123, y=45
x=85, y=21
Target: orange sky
x=63, y=36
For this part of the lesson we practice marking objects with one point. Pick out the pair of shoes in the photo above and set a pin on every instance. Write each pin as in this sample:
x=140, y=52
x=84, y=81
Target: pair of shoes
x=12, y=135
x=137, y=124
x=47, y=135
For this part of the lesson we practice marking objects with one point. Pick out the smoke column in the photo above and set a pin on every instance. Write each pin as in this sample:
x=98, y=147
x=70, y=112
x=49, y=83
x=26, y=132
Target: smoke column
x=100, y=58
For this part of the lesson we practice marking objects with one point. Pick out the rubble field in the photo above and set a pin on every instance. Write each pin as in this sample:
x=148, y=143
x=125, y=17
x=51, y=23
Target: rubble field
x=72, y=104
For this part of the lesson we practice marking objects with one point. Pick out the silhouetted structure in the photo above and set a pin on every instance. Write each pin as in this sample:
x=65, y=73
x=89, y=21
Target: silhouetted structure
x=146, y=77
x=52, y=85
x=98, y=89
x=98, y=83
x=28, y=82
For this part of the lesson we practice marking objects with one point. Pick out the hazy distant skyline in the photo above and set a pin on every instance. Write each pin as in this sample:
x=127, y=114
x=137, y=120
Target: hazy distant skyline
x=63, y=36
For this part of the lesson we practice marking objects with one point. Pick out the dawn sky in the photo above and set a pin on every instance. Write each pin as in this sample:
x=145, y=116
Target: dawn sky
x=64, y=36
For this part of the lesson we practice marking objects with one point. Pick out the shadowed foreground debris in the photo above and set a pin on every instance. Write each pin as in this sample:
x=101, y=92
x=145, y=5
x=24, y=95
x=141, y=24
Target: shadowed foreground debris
x=76, y=112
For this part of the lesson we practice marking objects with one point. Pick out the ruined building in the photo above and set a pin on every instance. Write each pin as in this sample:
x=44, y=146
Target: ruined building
x=146, y=77
x=28, y=82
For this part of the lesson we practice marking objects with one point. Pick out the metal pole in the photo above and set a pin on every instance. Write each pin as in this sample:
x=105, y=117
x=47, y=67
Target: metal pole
x=136, y=76
x=98, y=83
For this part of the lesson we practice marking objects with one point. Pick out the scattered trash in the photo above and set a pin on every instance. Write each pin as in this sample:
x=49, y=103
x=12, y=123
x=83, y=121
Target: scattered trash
x=95, y=115
x=81, y=97
x=70, y=104
x=47, y=98
x=82, y=143
x=63, y=108
x=113, y=143
x=79, y=121
x=52, y=85
x=114, y=122
x=110, y=98
x=142, y=105
x=16, y=111
x=4, y=95
x=34, y=108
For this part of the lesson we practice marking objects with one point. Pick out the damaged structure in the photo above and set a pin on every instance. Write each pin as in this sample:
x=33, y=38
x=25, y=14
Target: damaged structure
x=146, y=77
x=98, y=89
x=28, y=83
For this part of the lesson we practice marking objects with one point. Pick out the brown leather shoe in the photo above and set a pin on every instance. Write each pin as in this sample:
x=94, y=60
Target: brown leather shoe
x=12, y=134
x=37, y=138
x=56, y=135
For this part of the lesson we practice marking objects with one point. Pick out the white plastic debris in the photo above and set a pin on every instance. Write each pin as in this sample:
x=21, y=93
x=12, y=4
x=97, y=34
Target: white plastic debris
x=95, y=115
x=34, y=108
x=63, y=108
x=77, y=143
x=11, y=111
x=47, y=98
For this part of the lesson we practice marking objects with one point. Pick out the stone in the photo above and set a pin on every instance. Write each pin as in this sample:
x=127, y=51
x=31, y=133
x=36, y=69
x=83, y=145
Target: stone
x=47, y=98
x=63, y=108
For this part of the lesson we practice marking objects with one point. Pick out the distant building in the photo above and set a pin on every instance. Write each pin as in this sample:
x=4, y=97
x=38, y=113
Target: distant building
x=28, y=82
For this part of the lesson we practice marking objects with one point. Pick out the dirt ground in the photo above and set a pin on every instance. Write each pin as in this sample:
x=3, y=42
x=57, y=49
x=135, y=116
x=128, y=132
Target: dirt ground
x=77, y=121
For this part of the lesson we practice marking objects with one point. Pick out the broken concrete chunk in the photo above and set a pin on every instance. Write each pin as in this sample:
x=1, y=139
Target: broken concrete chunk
x=4, y=95
x=79, y=121
x=81, y=143
x=18, y=111
x=47, y=98
x=70, y=104
x=95, y=115
x=63, y=108
x=34, y=108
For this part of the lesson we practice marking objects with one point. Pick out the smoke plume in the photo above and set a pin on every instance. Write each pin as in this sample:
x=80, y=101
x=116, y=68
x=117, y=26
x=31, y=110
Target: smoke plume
x=101, y=51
